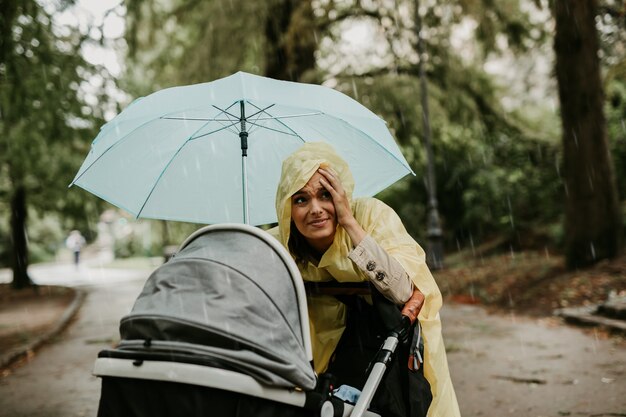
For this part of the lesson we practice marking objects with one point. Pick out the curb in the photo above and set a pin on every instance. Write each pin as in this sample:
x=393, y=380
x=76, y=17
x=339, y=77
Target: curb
x=588, y=316
x=23, y=351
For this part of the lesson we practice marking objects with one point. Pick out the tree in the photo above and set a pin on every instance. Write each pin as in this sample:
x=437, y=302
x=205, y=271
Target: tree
x=592, y=212
x=290, y=43
x=189, y=41
x=43, y=119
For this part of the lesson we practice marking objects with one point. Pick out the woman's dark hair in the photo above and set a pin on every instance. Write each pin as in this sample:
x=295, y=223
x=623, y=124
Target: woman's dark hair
x=298, y=246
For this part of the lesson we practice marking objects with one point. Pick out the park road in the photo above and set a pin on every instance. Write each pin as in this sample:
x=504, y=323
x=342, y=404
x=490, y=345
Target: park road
x=57, y=382
x=500, y=365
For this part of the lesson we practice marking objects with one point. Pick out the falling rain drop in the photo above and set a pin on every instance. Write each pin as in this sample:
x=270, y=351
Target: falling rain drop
x=521, y=340
x=593, y=250
x=558, y=167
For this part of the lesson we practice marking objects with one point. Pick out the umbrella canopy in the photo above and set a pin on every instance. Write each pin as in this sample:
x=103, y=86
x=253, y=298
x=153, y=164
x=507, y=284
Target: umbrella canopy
x=204, y=153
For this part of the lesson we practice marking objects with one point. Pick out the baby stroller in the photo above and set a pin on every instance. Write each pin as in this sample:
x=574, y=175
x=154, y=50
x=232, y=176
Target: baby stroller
x=222, y=329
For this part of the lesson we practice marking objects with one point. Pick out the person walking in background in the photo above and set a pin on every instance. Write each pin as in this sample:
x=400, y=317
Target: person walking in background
x=75, y=242
x=335, y=239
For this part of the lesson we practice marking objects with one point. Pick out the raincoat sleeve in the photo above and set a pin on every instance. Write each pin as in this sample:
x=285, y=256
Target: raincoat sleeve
x=383, y=271
x=386, y=228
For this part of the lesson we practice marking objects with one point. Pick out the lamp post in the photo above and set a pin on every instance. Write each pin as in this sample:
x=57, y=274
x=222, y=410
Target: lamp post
x=434, y=249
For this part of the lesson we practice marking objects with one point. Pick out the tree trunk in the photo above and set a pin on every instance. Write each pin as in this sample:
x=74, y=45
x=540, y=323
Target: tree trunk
x=592, y=213
x=290, y=37
x=19, y=242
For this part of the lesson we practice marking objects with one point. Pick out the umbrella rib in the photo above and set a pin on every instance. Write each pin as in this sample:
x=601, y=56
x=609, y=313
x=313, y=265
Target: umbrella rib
x=376, y=143
x=278, y=121
x=199, y=119
x=166, y=168
x=272, y=129
x=248, y=117
x=113, y=145
x=289, y=116
x=213, y=131
x=233, y=118
x=259, y=109
x=229, y=114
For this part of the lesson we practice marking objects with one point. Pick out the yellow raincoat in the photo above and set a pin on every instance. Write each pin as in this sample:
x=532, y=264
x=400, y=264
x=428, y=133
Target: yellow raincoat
x=327, y=314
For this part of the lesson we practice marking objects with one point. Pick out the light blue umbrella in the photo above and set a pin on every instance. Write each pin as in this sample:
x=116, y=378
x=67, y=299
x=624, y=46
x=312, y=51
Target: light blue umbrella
x=212, y=152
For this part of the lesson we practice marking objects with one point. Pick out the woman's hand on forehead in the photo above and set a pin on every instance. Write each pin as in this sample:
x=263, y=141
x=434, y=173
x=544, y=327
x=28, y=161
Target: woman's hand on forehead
x=330, y=180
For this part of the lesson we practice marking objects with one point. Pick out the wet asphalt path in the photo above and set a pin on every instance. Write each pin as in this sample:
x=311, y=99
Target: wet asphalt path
x=515, y=366
x=57, y=381
x=500, y=365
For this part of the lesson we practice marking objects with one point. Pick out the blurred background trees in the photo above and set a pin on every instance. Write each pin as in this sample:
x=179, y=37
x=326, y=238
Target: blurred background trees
x=500, y=157
x=44, y=123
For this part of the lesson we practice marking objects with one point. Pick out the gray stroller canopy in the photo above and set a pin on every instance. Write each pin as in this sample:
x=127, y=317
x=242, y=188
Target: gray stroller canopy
x=232, y=294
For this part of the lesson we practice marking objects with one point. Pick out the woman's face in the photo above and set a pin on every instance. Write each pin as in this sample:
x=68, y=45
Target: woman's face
x=313, y=213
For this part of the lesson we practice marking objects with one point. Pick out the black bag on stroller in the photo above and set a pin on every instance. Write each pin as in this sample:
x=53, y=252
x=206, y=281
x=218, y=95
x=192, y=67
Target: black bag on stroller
x=402, y=392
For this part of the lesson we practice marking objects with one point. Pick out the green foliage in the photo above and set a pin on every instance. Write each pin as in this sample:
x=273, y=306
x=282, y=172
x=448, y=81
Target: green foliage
x=616, y=123
x=150, y=237
x=128, y=247
x=46, y=121
x=191, y=41
x=46, y=236
x=492, y=178
x=5, y=244
x=503, y=19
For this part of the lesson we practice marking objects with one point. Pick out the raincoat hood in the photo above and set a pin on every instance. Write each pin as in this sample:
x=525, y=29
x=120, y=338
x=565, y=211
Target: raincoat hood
x=297, y=169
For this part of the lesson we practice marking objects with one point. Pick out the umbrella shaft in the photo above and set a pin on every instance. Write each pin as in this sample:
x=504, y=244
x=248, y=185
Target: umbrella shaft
x=244, y=186
x=243, y=135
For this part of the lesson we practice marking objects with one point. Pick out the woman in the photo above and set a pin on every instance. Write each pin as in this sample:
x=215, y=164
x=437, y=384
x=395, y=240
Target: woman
x=334, y=238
